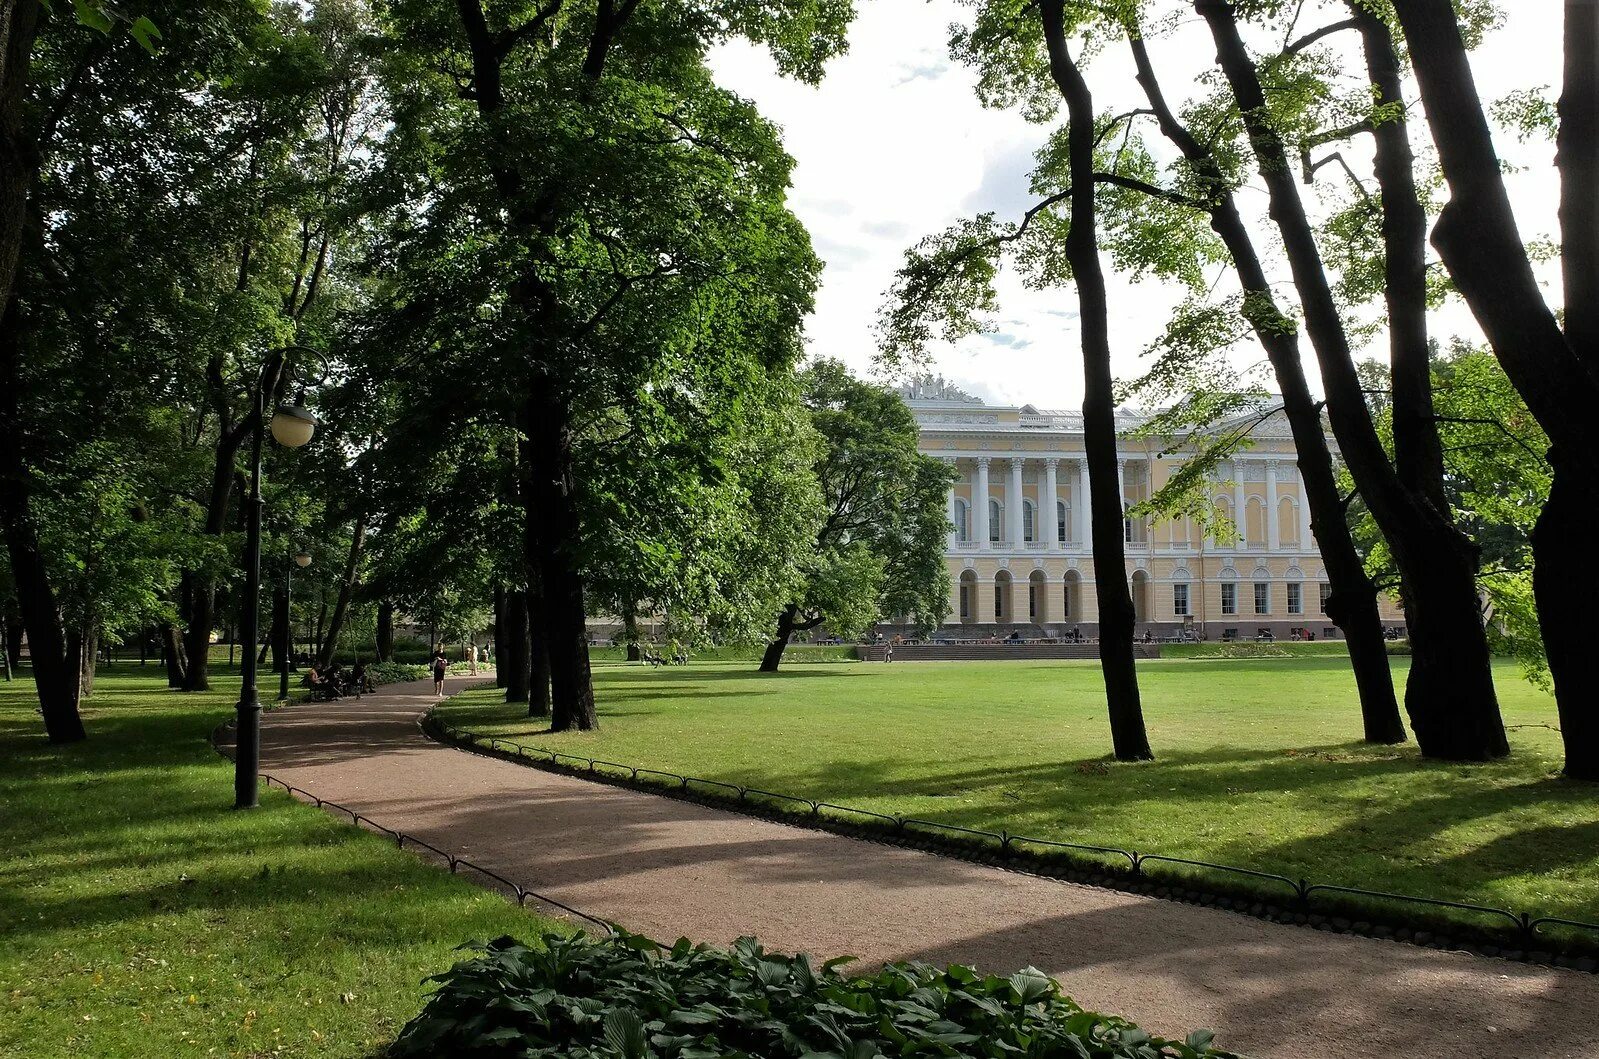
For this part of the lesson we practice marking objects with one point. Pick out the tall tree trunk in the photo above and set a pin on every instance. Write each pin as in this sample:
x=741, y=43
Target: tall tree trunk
x=1556, y=373
x=54, y=678
x=13, y=642
x=1116, y=615
x=1560, y=546
x=785, y=631
x=538, y=697
x=200, y=591
x=552, y=533
x=88, y=660
x=385, y=631
x=341, y=607
x=630, y=630
x=278, y=635
x=1450, y=695
x=515, y=656
x=172, y=656
x=55, y=674
x=1352, y=600
x=499, y=635
x=1563, y=574
x=322, y=620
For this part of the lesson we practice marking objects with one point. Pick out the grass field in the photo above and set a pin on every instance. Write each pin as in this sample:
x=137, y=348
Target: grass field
x=1259, y=765
x=141, y=917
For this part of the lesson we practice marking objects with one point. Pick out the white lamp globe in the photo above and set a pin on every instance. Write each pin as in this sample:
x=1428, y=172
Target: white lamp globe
x=303, y=559
x=293, y=425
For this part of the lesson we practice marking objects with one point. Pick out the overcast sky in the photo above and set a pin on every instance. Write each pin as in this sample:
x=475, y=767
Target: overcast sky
x=893, y=145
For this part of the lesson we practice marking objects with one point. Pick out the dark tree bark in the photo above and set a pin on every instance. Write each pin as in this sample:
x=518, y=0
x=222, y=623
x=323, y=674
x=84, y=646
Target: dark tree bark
x=173, y=657
x=278, y=635
x=341, y=606
x=88, y=652
x=1116, y=615
x=630, y=631
x=552, y=530
x=499, y=635
x=13, y=643
x=1556, y=373
x=1352, y=601
x=785, y=632
x=1450, y=695
x=538, y=694
x=515, y=654
x=55, y=671
x=55, y=676
x=385, y=631
x=1418, y=451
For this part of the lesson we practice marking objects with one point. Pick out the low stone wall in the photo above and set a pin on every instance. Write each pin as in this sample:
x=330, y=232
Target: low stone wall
x=976, y=652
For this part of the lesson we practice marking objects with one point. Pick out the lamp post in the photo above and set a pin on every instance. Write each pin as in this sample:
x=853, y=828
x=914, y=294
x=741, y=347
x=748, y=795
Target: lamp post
x=292, y=427
x=302, y=560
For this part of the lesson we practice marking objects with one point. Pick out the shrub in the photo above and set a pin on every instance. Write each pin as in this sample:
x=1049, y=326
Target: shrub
x=395, y=672
x=629, y=998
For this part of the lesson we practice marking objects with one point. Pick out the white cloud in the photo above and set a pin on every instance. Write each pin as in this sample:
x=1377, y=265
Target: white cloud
x=893, y=145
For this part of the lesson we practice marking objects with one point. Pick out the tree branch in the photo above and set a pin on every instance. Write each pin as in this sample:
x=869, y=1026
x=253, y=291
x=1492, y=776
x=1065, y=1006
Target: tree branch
x=1295, y=47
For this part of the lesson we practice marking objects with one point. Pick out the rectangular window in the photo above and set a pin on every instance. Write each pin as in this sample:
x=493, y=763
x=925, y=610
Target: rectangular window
x=1027, y=523
x=1229, y=598
x=1032, y=602
x=966, y=601
x=1060, y=523
x=999, y=602
x=1326, y=591
x=1179, y=599
x=1296, y=598
x=1262, y=597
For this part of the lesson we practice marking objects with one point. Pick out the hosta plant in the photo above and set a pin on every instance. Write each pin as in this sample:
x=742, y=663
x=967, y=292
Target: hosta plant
x=627, y=997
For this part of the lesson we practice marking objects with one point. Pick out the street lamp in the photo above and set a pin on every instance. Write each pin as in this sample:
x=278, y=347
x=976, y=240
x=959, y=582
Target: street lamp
x=292, y=427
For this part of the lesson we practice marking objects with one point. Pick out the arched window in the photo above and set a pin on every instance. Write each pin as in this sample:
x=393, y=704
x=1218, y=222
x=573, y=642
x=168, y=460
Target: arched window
x=1029, y=527
x=1288, y=521
x=1255, y=522
x=995, y=513
x=962, y=521
x=1062, y=521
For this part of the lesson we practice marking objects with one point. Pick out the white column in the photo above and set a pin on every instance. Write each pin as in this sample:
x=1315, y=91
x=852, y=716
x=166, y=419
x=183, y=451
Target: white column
x=1149, y=488
x=1083, y=506
x=949, y=508
x=980, y=503
x=1051, y=497
x=1121, y=495
x=1013, y=504
x=1238, y=504
x=1274, y=533
x=1305, y=542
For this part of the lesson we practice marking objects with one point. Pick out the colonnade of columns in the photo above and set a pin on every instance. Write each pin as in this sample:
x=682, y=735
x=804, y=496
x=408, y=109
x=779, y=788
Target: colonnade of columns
x=1045, y=529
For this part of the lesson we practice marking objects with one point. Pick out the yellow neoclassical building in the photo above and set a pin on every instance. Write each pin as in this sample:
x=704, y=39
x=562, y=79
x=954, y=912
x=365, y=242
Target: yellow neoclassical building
x=1019, y=549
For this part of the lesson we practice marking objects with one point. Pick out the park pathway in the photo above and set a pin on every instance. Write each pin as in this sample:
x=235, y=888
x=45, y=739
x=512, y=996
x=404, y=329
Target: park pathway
x=667, y=868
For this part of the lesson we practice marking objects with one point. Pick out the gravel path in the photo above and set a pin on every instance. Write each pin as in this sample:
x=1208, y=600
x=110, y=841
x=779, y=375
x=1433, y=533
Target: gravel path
x=668, y=868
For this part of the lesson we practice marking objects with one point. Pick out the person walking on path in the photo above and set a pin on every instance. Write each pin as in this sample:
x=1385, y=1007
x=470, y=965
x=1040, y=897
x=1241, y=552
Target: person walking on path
x=441, y=665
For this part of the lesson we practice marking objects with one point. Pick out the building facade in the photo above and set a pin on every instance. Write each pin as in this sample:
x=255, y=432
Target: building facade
x=1019, y=550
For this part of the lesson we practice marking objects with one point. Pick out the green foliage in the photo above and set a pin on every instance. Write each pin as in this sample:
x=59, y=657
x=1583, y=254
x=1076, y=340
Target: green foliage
x=628, y=997
x=1497, y=478
x=878, y=549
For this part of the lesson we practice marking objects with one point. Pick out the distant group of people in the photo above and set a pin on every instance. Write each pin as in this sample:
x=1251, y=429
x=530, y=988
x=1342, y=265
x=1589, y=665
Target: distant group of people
x=337, y=682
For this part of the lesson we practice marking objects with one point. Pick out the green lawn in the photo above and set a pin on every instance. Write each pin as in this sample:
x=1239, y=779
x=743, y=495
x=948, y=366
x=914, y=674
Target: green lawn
x=141, y=916
x=1259, y=765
